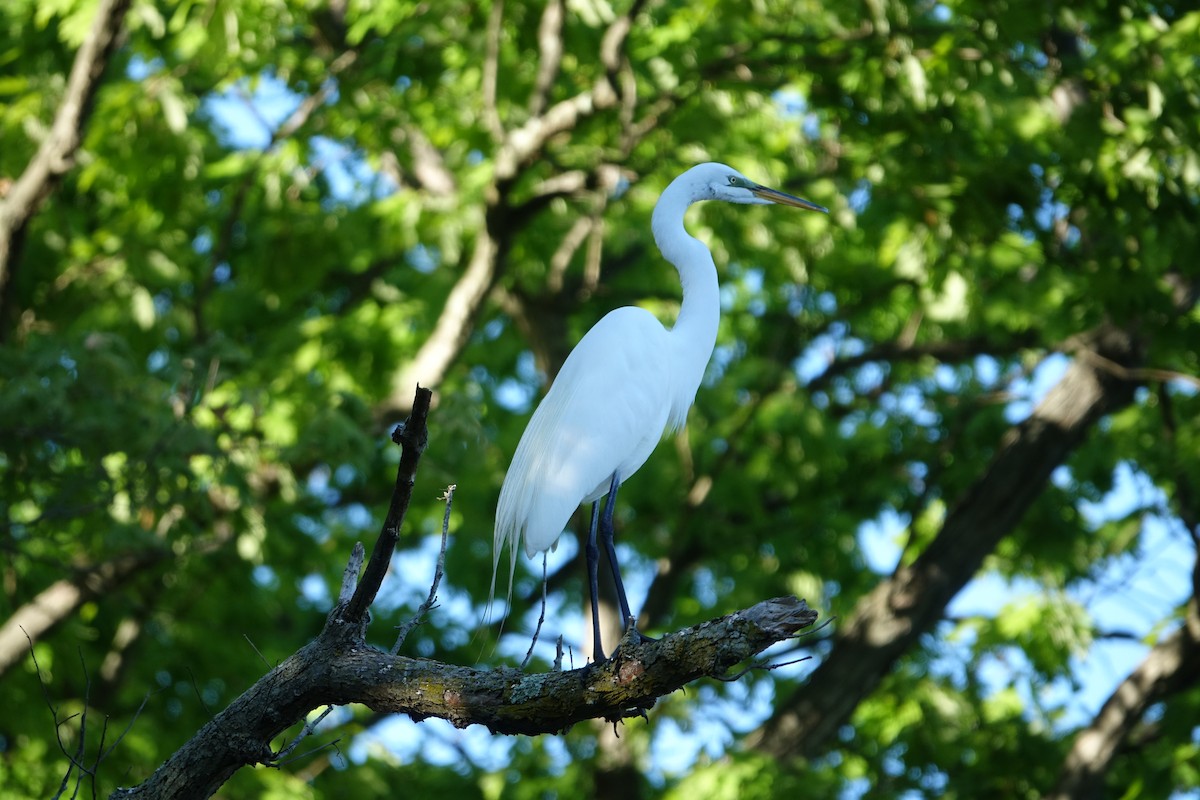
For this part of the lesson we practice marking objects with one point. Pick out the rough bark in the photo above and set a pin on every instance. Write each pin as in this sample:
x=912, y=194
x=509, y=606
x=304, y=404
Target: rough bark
x=888, y=621
x=339, y=668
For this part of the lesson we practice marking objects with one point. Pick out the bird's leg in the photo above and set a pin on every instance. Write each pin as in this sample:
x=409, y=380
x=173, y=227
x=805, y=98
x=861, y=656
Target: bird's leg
x=593, y=568
x=607, y=536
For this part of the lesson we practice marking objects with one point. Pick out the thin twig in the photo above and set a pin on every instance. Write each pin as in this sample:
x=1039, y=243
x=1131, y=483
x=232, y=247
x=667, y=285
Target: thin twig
x=81, y=751
x=196, y=689
x=439, y=570
x=106, y=753
x=308, y=729
x=759, y=665
x=74, y=762
x=260, y=655
x=99, y=749
x=307, y=753
x=541, y=617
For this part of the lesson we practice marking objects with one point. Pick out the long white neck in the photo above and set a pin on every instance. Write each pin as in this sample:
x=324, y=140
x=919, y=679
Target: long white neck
x=695, y=331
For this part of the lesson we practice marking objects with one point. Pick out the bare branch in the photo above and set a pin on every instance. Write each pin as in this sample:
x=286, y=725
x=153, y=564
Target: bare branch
x=423, y=609
x=558, y=651
x=412, y=435
x=254, y=647
x=308, y=730
x=337, y=668
x=75, y=761
x=537, y=629
x=141, y=707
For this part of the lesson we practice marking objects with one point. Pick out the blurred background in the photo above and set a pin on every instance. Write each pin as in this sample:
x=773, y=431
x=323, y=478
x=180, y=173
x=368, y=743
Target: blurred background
x=958, y=415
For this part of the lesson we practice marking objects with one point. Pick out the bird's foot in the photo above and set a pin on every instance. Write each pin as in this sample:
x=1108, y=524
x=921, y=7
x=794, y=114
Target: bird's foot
x=632, y=636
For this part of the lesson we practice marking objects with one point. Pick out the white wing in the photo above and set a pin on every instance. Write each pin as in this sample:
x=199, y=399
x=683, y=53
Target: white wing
x=604, y=414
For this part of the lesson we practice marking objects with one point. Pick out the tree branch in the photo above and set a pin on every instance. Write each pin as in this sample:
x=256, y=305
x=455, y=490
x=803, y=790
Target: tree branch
x=60, y=599
x=338, y=668
x=491, y=71
x=518, y=147
x=412, y=435
x=1173, y=664
x=550, y=48
x=427, y=165
x=56, y=155
x=888, y=621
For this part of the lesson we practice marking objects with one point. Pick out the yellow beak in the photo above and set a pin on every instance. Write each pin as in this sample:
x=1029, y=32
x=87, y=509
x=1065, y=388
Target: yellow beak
x=784, y=199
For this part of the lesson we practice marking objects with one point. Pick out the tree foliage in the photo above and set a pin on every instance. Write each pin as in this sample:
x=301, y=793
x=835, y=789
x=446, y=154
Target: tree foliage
x=238, y=234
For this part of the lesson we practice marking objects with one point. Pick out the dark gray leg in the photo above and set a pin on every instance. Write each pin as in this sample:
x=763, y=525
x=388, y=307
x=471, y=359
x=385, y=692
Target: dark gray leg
x=593, y=569
x=606, y=536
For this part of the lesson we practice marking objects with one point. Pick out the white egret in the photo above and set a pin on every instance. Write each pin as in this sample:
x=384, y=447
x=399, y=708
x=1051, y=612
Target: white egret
x=627, y=382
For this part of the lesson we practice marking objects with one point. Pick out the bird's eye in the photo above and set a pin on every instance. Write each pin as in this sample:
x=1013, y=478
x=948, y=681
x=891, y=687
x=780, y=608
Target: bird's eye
x=733, y=181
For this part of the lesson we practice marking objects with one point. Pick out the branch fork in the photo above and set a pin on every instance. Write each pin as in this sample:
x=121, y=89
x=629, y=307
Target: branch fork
x=339, y=667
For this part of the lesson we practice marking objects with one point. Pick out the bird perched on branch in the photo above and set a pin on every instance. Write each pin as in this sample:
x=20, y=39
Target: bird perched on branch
x=627, y=382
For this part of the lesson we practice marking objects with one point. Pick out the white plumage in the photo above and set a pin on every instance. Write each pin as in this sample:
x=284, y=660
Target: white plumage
x=627, y=381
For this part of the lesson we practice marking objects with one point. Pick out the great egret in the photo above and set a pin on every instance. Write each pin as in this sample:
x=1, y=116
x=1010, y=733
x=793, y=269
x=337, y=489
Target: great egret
x=627, y=382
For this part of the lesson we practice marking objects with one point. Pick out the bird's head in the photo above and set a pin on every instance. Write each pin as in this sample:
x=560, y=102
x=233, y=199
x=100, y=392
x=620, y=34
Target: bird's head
x=721, y=182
